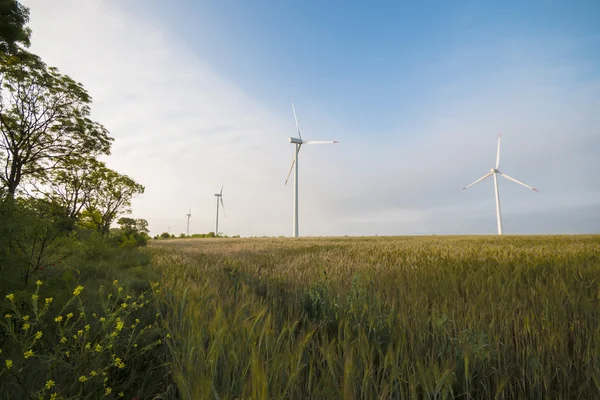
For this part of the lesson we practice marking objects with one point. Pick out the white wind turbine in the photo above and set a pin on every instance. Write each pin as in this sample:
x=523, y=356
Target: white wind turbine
x=219, y=199
x=298, y=142
x=189, y=214
x=495, y=172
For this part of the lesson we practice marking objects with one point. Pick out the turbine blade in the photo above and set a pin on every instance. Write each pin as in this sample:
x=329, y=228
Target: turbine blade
x=223, y=206
x=290, y=173
x=320, y=142
x=498, y=153
x=479, y=180
x=518, y=181
x=221, y=192
x=296, y=119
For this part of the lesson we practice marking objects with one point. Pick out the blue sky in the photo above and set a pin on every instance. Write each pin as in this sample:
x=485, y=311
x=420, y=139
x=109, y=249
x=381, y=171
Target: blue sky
x=197, y=94
x=383, y=59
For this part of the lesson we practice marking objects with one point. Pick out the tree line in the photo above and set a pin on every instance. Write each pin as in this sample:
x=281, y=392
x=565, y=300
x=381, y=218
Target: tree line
x=53, y=185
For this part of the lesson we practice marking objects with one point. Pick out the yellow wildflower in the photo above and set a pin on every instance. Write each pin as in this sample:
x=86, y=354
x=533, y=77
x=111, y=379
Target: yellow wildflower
x=70, y=315
x=120, y=289
x=82, y=378
x=107, y=391
x=115, y=282
x=88, y=346
x=98, y=348
x=39, y=283
x=48, y=300
x=87, y=327
x=10, y=297
x=137, y=320
x=102, y=319
x=77, y=290
x=94, y=315
x=120, y=364
x=54, y=396
x=58, y=319
x=127, y=297
x=38, y=335
x=7, y=316
x=120, y=325
x=8, y=364
x=26, y=318
x=121, y=394
x=35, y=297
x=135, y=345
x=50, y=384
x=28, y=353
x=63, y=340
x=93, y=373
x=79, y=332
x=26, y=326
x=168, y=335
x=124, y=305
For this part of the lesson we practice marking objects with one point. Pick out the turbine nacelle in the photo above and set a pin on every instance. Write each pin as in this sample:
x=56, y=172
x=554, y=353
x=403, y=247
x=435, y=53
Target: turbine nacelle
x=295, y=140
x=495, y=171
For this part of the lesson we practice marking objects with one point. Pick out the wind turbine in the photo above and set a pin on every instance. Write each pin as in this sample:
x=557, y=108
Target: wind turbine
x=298, y=142
x=219, y=199
x=189, y=214
x=495, y=172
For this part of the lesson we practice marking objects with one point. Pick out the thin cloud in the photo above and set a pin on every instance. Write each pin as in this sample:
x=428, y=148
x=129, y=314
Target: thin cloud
x=183, y=130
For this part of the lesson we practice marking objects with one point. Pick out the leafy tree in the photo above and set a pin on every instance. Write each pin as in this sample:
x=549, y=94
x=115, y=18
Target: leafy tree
x=44, y=121
x=72, y=184
x=13, y=30
x=34, y=234
x=111, y=197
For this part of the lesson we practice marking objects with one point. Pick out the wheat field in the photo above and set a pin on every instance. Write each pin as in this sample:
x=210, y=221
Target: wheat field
x=383, y=317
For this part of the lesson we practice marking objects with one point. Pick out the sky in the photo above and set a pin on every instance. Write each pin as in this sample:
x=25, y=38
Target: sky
x=197, y=94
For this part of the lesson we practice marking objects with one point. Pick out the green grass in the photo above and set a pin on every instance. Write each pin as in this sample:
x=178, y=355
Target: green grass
x=412, y=317
x=85, y=328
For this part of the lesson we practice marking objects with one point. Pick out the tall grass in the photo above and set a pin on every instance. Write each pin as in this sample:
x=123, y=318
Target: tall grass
x=415, y=317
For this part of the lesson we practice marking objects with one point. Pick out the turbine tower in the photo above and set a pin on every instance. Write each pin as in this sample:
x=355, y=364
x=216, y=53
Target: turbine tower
x=189, y=214
x=298, y=142
x=219, y=199
x=495, y=172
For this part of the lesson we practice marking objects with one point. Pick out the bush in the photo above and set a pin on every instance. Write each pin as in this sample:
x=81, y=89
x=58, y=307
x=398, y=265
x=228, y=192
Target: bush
x=53, y=350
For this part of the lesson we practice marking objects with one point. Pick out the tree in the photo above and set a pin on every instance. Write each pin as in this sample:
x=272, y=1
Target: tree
x=72, y=184
x=44, y=121
x=130, y=225
x=111, y=197
x=13, y=30
x=34, y=234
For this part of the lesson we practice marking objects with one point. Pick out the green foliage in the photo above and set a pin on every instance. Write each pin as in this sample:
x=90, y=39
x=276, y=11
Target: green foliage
x=13, y=26
x=70, y=351
x=443, y=317
x=44, y=121
x=34, y=234
x=112, y=196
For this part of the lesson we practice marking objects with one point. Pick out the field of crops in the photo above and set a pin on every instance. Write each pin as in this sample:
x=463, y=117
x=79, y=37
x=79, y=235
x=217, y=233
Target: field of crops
x=406, y=317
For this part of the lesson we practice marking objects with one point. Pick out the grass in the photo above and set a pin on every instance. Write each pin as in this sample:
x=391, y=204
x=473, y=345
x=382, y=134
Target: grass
x=88, y=327
x=412, y=317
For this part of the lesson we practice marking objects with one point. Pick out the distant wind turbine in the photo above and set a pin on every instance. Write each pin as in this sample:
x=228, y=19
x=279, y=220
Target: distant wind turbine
x=219, y=199
x=298, y=142
x=189, y=214
x=495, y=172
